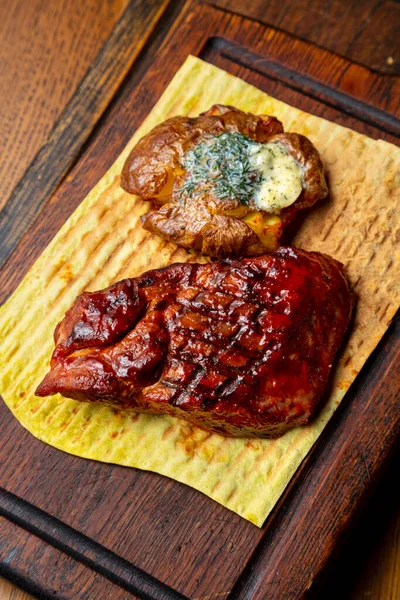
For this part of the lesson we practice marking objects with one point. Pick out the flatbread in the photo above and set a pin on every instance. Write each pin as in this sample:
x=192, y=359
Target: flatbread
x=103, y=242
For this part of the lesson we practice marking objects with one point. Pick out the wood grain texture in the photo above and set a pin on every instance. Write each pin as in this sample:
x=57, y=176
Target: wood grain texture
x=353, y=81
x=368, y=565
x=343, y=91
x=9, y=591
x=332, y=483
x=142, y=517
x=45, y=50
x=62, y=576
x=81, y=548
x=78, y=120
x=365, y=31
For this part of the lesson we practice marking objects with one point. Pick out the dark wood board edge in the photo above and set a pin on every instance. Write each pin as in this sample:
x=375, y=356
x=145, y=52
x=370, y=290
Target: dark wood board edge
x=25, y=252
x=166, y=528
x=55, y=574
x=367, y=558
x=85, y=550
x=388, y=70
x=253, y=565
x=78, y=120
x=308, y=85
x=299, y=541
x=287, y=515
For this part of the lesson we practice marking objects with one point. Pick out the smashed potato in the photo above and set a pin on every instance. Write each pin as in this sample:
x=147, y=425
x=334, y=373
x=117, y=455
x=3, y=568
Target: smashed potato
x=225, y=183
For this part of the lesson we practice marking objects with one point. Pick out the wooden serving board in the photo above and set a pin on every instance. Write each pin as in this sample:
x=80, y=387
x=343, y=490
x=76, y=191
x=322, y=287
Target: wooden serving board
x=72, y=528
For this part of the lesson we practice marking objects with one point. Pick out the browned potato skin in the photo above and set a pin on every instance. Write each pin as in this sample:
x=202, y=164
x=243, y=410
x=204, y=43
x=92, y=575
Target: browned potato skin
x=192, y=225
x=148, y=166
x=153, y=171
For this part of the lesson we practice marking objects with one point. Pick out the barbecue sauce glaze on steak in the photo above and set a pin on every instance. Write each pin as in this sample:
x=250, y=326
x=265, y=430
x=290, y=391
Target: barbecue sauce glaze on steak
x=238, y=347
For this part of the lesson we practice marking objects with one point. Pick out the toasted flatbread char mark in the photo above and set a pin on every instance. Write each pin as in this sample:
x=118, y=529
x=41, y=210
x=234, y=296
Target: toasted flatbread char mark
x=225, y=183
x=242, y=348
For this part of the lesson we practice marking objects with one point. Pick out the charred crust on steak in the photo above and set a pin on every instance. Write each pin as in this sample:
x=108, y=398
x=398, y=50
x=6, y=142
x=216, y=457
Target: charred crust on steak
x=242, y=347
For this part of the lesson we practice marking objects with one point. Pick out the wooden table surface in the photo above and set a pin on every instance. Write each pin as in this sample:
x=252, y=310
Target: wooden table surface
x=45, y=50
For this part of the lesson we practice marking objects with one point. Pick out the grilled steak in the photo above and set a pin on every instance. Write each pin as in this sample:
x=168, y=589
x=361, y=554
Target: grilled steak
x=239, y=347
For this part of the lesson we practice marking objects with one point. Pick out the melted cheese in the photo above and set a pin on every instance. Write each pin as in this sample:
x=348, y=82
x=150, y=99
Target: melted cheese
x=282, y=176
x=267, y=227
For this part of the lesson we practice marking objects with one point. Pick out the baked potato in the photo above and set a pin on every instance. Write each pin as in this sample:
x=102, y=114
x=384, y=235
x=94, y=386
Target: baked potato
x=225, y=183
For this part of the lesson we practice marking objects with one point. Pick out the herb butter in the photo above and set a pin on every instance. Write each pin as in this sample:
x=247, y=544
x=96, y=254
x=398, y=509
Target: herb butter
x=235, y=167
x=282, y=176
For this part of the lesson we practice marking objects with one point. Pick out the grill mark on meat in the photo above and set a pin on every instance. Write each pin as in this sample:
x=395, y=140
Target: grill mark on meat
x=239, y=347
